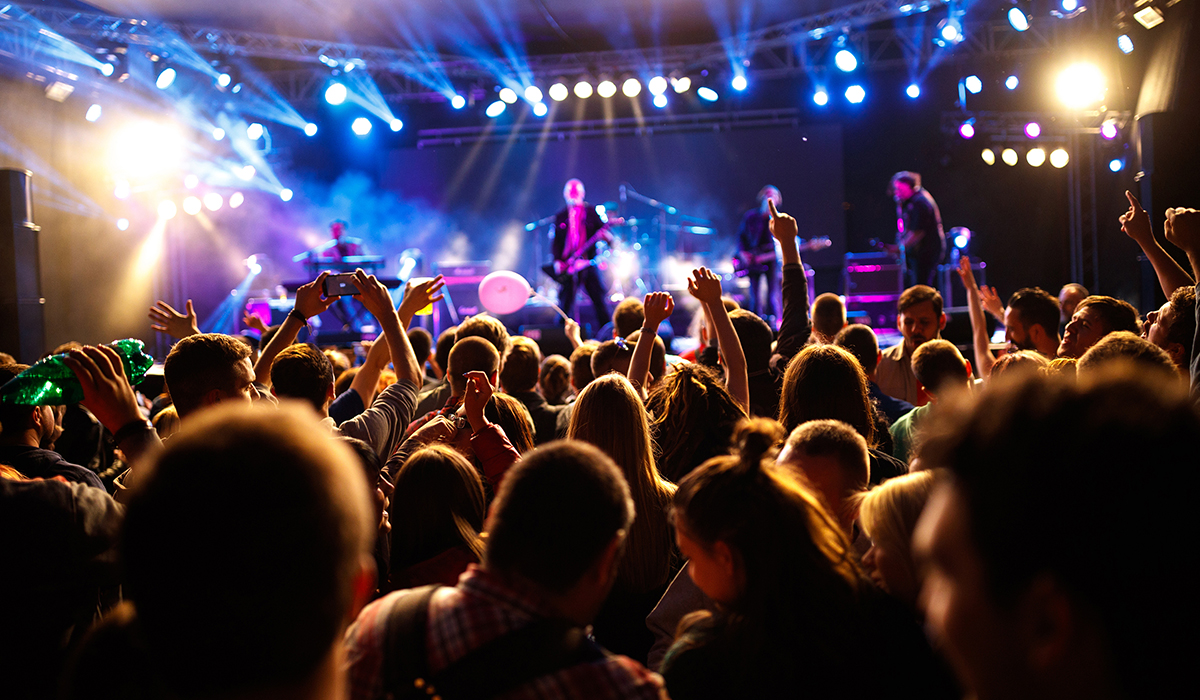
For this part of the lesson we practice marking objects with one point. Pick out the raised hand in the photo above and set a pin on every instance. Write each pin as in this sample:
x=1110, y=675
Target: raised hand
x=706, y=286
x=571, y=329
x=311, y=300
x=167, y=320
x=373, y=294
x=478, y=392
x=252, y=321
x=106, y=391
x=783, y=227
x=1136, y=222
x=417, y=297
x=991, y=302
x=966, y=274
x=658, y=307
x=1183, y=229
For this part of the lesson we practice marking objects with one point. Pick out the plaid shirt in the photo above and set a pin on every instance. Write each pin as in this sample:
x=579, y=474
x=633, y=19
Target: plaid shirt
x=481, y=608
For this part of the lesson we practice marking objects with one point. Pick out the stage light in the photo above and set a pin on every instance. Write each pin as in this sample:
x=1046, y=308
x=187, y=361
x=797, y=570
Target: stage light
x=821, y=98
x=1033, y=130
x=458, y=102
x=583, y=89
x=631, y=87
x=606, y=89
x=540, y=109
x=660, y=100
x=236, y=199
x=845, y=60
x=218, y=134
x=93, y=113
x=949, y=31
x=960, y=236
x=167, y=209
x=989, y=156
x=285, y=194
x=165, y=78
x=1009, y=156
x=246, y=172
x=739, y=83
x=1125, y=43
x=361, y=126
x=122, y=224
x=1149, y=17
x=657, y=85
x=106, y=69
x=973, y=84
x=310, y=129
x=252, y=265
x=508, y=95
x=254, y=132
x=707, y=94
x=1059, y=158
x=335, y=94
x=967, y=129
x=396, y=124
x=1116, y=164
x=1069, y=5
x=681, y=85
x=495, y=109
x=913, y=91
x=223, y=80
x=1018, y=19
x=191, y=182
x=533, y=94
x=1035, y=157
x=558, y=92
x=236, y=88
x=1108, y=130
x=855, y=94
x=122, y=189
x=1011, y=82
x=1081, y=85
x=191, y=206
x=213, y=201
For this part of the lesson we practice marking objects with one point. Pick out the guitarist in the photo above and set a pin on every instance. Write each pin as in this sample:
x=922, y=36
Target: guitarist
x=756, y=248
x=577, y=230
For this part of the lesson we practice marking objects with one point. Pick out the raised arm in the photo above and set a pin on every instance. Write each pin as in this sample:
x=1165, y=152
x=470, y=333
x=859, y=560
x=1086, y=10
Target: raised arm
x=367, y=378
x=310, y=301
x=167, y=320
x=706, y=286
x=1182, y=228
x=658, y=307
x=1136, y=224
x=984, y=359
x=796, y=325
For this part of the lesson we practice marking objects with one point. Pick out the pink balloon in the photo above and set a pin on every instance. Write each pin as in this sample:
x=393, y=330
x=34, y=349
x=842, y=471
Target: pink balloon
x=503, y=292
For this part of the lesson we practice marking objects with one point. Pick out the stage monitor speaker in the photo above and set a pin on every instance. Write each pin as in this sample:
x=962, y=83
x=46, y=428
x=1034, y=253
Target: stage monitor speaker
x=461, y=291
x=22, y=308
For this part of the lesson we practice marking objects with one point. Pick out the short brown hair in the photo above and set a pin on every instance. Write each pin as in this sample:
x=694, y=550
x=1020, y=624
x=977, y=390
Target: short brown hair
x=828, y=315
x=938, y=363
x=487, y=327
x=1183, y=321
x=755, y=336
x=1117, y=314
x=303, y=372
x=554, y=378
x=471, y=354
x=199, y=364
x=520, y=371
x=1124, y=346
x=581, y=364
x=860, y=341
x=833, y=438
x=1036, y=308
x=919, y=294
x=629, y=316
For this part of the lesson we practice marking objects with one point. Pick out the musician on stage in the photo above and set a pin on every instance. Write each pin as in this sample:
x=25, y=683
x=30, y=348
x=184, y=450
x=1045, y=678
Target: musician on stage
x=577, y=230
x=919, y=229
x=756, y=250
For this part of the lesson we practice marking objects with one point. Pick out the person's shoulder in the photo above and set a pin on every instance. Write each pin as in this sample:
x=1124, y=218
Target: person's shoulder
x=894, y=353
x=625, y=678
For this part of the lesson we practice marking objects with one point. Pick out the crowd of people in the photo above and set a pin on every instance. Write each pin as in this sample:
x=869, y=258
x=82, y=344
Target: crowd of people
x=790, y=514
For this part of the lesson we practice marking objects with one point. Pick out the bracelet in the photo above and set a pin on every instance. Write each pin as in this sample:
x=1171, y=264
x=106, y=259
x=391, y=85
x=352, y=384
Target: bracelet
x=130, y=428
x=298, y=316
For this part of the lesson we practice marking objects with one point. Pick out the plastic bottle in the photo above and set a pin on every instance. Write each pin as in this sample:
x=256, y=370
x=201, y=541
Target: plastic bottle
x=50, y=382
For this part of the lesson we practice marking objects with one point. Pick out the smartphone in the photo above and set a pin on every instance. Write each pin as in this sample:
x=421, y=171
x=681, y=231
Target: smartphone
x=340, y=285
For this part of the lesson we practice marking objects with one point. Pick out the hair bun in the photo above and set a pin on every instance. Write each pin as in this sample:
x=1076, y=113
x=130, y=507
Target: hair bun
x=756, y=437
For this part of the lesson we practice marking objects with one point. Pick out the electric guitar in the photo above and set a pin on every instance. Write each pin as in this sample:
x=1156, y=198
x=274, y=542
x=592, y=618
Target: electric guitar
x=747, y=262
x=562, y=270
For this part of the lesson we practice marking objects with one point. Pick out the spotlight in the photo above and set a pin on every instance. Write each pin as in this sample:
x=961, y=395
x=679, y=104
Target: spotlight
x=845, y=60
x=191, y=182
x=967, y=129
x=218, y=134
x=236, y=88
x=508, y=95
x=396, y=124
x=1116, y=164
x=106, y=69
x=254, y=132
x=855, y=94
x=1069, y=5
x=93, y=113
x=1018, y=19
x=191, y=206
x=821, y=98
x=165, y=78
x=122, y=189
x=213, y=201
x=252, y=265
x=1149, y=17
x=533, y=94
x=1035, y=157
x=285, y=194
x=122, y=224
x=681, y=85
x=913, y=91
x=458, y=102
x=631, y=87
x=335, y=94
x=606, y=89
x=583, y=89
x=558, y=92
x=960, y=236
x=310, y=129
x=657, y=85
x=1108, y=130
x=247, y=172
x=1033, y=130
x=1011, y=82
x=707, y=94
x=738, y=83
x=1081, y=85
x=1009, y=156
x=361, y=126
x=989, y=156
x=949, y=31
x=973, y=84
x=223, y=80
x=495, y=109
x=1059, y=158
x=167, y=209
x=236, y=199
x=1125, y=43
x=660, y=100
x=540, y=109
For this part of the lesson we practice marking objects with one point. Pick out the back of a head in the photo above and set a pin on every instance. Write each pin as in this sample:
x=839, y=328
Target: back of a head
x=557, y=510
x=825, y=381
x=204, y=566
x=628, y=317
x=421, y=342
x=521, y=366
x=301, y=371
x=611, y=356
x=940, y=367
x=828, y=315
x=658, y=354
x=919, y=294
x=471, y=354
x=755, y=337
x=581, y=364
x=13, y=417
x=860, y=341
x=1116, y=314
x=438, y=504
x=839, y=441
x=513, y=418
x=487, y=327
x=694, y=417
x=889, y=512
x=1183, y=325
x=1083, y=483
x=445, y=342
x=554, y=378
x=1124, y=347
x=609, y=415
x=1036, y=307
x=199, y=364
x=1020, y=363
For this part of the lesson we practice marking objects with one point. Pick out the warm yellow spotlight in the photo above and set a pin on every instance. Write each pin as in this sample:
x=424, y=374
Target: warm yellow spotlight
x=989, y=156
x=1009, y=156
x=1059, y=158
x=1035, y=157
x=1081, y=85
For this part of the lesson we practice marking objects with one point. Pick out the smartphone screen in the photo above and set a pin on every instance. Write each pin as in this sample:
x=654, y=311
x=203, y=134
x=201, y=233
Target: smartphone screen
x=340, y=285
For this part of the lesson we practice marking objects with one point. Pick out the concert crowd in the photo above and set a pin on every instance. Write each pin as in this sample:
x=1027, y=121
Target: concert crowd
x=790, y=512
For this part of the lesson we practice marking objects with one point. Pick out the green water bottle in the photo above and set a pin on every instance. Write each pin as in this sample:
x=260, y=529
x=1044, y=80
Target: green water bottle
x=50, y=382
